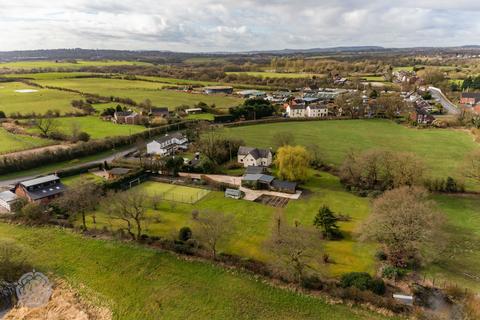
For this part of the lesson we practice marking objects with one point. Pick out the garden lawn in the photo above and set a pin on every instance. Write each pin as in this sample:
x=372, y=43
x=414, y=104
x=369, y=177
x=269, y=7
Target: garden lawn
x=38, y=102
x=253, y=222
x=141, y=90
x=15, y=142
x=139, y=283
x=442, y=150
x=460, y=263
x=85, y=177
x=201, y=116
x=95, y=127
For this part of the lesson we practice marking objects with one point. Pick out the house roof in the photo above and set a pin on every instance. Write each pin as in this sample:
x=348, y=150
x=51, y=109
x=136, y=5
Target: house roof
x=40, y=180
x=284, y=185
x=159, y=110
x=177, y=135
x=475, y=95
x=298, y=107
x=219, y=88
x=47, y=191
x=258, y=177
x=119, y=171
x=122, y=113
x=233, y=192
x=254, y=170
x=255, y=152
x=318, y=106
x=8, y=196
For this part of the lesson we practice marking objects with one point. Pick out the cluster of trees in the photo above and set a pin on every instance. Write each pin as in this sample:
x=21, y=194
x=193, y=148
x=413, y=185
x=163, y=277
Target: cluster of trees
x=216, y=148
x=49, y=128
x=471, y=83
x=380, y=170
x=252, y=109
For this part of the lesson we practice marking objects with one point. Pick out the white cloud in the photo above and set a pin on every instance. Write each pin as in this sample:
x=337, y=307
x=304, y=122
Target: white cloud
x=207, y=25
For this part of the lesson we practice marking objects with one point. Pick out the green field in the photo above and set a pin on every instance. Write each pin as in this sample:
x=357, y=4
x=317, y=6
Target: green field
x=15, y=142
x=201, y=116
x=141, y=90
x=442, y=151
x=460, y=262
x=29, y=65
x=139, y=283
x=253, y=221
x=46, y=75
x=39, y=102
x=95, y=127
x=277, y=74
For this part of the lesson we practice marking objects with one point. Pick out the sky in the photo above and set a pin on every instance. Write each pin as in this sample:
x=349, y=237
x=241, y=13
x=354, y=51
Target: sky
x=240, y=25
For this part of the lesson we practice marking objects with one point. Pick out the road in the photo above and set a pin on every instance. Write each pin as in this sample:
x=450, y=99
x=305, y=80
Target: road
x=447, y=104
x=110, y=158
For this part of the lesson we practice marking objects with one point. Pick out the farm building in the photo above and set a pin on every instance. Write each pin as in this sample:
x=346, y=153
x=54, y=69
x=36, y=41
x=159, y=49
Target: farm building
x=247, y=94
x=43, y=189
x=159, y=112
x=7, y=200
x=218, y=89
x=254, y=157
x=167, y=144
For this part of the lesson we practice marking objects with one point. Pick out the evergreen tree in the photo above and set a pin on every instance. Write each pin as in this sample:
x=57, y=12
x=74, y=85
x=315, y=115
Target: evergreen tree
x=326, y=221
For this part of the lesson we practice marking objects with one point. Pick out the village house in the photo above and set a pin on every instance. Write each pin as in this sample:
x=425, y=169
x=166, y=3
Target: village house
x=470, y=98
x=168, y=144
x=254, y=157
x=421, y=116
x=42, y=190
x=127, y=117
x=296, y=111
x=7, y=200
x=317, y=111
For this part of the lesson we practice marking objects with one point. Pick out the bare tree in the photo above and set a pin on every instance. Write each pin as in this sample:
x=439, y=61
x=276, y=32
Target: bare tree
x=130, y=208
x=46, y=125
x=212, y=228
x=80, y=198
x=294, y=248
x=406, y=223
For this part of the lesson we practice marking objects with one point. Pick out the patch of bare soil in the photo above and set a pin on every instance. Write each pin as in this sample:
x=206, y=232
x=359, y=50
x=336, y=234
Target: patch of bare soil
x=65, y=304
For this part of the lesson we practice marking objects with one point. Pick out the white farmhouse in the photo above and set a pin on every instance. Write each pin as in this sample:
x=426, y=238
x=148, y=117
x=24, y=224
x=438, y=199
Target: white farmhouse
x=296, y=111
x=167, y=144
x=317, y=111
x=254, y=157
x=7, y=199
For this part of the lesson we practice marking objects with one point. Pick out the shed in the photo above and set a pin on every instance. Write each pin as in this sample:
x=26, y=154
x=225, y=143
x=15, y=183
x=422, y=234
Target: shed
x=7, y=199
x=284, y=186
x=233, y=193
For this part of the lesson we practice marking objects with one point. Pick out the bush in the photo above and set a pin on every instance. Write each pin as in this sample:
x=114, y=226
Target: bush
x=312, y=282
x=185, y=234
x=394, y=273
x=362, y=281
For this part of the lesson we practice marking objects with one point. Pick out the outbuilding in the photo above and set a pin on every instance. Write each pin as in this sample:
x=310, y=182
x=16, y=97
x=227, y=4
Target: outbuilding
x=7, y=200
x=233, y=193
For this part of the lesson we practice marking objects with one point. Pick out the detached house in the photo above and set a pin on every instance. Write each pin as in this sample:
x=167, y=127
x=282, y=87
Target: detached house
x=167, y=144
x=127, y=117
x=296, y=111
x=254, y=157
x=43, y=189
